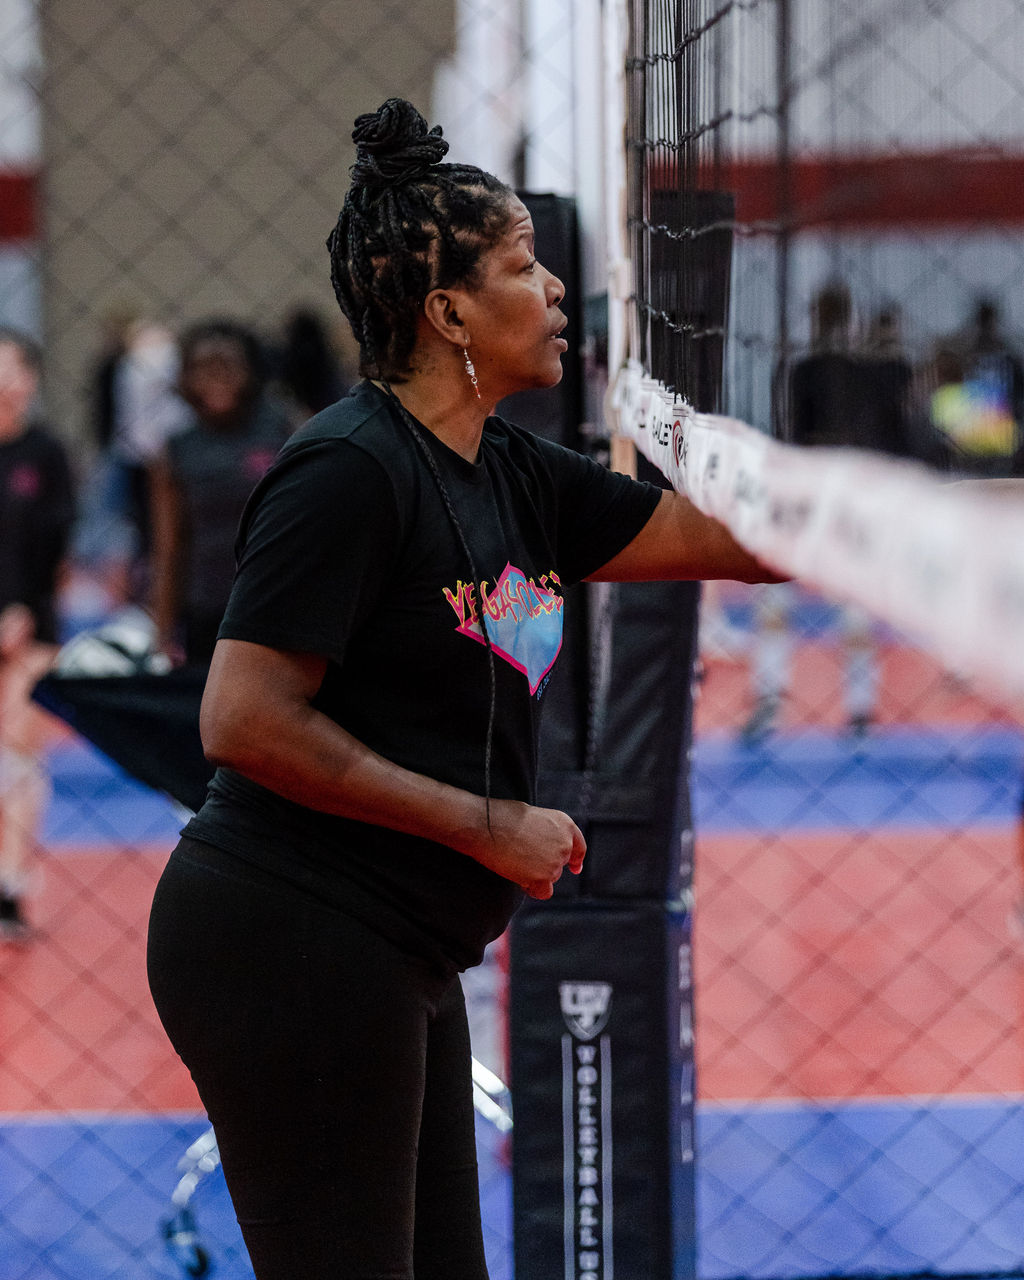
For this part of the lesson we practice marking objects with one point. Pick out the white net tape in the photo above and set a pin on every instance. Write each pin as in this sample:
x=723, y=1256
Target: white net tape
x=943, y=563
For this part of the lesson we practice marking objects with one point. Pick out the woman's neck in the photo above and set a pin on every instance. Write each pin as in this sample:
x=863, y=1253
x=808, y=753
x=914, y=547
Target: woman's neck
x=447, y=408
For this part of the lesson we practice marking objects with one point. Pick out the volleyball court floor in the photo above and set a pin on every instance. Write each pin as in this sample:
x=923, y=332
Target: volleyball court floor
x=832, y=1135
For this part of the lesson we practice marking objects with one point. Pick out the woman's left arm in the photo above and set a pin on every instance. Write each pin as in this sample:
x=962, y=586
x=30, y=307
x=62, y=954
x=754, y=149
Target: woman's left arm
x=680, y=543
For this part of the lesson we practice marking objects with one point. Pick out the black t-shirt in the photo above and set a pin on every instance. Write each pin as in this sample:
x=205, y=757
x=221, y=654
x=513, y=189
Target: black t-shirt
x=36, y=515
x=215, y=471
x=840, y=399
x=347, y=550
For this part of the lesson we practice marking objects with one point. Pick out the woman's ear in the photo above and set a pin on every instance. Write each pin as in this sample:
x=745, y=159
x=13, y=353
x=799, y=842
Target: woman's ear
x=441, y=309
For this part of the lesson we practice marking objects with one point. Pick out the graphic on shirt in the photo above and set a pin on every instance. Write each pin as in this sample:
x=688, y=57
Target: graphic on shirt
x=524, y=619
x=24, y=481
x=258, y=461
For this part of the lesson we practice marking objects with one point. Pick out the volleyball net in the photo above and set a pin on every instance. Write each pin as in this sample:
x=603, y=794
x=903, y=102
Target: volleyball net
x=857, y=1033
x=942, y=563
x=816, y=221
x=703, y=179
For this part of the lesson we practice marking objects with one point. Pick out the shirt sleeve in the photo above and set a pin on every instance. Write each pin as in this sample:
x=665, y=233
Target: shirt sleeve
x=599, y=512
x=317, y=544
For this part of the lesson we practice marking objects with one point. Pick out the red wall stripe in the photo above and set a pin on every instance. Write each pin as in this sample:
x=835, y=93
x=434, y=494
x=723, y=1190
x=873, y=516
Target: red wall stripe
x=18, y=205
x=926, y=190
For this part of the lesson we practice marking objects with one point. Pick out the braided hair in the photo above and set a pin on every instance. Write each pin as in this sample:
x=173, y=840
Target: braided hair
x=409, y=224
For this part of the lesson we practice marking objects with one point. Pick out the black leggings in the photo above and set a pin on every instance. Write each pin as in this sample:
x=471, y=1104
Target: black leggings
x=335, y=1070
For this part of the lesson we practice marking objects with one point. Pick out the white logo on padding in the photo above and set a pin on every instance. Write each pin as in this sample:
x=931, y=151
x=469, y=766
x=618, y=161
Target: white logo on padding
x=585, y=1007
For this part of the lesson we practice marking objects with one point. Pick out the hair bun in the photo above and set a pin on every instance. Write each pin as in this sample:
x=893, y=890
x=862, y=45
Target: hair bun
x=394, y=145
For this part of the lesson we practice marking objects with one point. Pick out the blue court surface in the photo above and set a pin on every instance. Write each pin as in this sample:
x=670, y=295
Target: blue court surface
x=898, y=777
x=86, y=1219
x=879, y=1185
x=95, y=803
x=68, y=1210
x=874, y=1187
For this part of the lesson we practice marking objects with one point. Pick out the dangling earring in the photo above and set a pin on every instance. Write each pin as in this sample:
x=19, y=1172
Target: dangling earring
x=472, y=373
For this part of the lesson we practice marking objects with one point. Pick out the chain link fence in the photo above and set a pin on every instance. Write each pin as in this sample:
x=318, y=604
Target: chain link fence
x=858, y=961
x=858, y=981
x=858, y=949
x=161, y=166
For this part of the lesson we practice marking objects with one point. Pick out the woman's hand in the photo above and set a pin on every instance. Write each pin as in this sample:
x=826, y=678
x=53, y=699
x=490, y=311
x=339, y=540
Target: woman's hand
x=530, y=846
x=257, y=718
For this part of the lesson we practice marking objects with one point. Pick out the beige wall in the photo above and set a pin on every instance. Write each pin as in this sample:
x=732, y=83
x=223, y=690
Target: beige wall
x=196, y=155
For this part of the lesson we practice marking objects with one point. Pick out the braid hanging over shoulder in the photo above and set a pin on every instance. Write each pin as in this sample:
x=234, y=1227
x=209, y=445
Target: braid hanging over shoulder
x=410, y=224
x=416, y=431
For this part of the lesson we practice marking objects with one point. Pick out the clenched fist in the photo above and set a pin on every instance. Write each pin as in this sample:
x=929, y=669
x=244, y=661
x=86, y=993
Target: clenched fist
x=530, y=846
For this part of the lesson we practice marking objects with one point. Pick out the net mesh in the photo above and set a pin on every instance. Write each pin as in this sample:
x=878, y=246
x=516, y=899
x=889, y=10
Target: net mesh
x=171, y=165
x=856, y=807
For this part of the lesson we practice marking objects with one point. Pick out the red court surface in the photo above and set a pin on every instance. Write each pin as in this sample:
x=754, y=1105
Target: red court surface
x=826, y=967
x=837, y=967
x=859, y=1003
x=856, y=962
x=78, y=1028
x=829, y=963
x=913, y=689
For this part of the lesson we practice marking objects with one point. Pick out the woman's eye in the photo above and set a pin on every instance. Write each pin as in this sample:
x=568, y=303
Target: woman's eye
x=530, y=265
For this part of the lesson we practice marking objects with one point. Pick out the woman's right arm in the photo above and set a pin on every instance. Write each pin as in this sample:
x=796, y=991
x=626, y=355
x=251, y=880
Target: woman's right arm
x=257, y=718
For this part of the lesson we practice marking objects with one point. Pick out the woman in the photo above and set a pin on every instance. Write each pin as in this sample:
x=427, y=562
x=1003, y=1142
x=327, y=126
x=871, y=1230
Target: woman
x=201, y=480
x=372, y=707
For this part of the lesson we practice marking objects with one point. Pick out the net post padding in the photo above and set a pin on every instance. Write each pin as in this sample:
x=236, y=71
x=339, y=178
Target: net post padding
x=600, y=994
x=602, y=1069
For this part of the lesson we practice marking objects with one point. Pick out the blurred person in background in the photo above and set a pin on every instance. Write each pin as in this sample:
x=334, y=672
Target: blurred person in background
x=103, y=542
x=951, y=411
x=887, y=426
x=309, y=370
x=200, y=481
x=116, y=326
x=36, y=516
x=145, y=411
x=977, y=400
x=838, y=395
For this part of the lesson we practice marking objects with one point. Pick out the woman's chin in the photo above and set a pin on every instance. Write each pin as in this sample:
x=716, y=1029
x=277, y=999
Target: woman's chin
x=553, y=376
x=540, y=379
